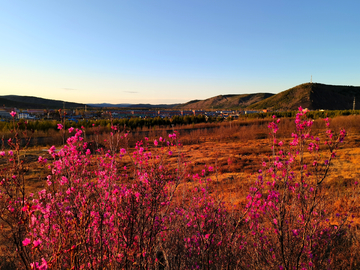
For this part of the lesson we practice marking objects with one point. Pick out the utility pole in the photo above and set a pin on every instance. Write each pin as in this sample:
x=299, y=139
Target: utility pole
x=354, y=104
x=311, y=79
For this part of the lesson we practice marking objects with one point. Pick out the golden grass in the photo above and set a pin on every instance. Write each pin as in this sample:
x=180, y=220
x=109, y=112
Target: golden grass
x=235, y=152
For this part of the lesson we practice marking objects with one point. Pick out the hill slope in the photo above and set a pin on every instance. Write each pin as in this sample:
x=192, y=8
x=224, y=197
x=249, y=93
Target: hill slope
x=225, y=102
x=28, y=102
x=313, y=96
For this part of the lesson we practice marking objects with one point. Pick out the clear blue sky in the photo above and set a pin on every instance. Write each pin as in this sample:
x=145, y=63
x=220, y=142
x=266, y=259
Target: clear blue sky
x=170, y=51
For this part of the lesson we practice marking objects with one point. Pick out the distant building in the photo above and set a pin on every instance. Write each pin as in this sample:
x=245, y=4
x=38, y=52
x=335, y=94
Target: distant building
x=248, y=112
x=187, y=113
x=5, y=112
x=25, y=115
x=38, y=112
x=196, y=112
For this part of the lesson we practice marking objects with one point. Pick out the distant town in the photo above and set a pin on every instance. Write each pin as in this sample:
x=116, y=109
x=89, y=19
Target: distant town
x=96, y=114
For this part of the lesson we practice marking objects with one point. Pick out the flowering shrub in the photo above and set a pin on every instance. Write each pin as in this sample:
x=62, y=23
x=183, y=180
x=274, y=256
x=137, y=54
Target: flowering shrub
x=291, y=227
x=98, y=212
x=13, y=221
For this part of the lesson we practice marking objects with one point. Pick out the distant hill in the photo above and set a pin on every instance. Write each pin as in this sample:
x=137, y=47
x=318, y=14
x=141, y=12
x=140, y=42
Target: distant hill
x=313, y=96
x=225, y=102
x=29, y=102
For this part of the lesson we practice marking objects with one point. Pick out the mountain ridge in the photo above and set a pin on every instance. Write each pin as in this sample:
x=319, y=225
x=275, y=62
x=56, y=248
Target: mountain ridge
x=31, y=102
x=225, y=101
x=313, y=96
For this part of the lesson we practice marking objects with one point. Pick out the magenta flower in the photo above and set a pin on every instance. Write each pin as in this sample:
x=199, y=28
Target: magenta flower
x=60, y=126
x=37, y=243
x=13, y=113
x=2, y=153
x=26, y=241
x=42, y=160
x=52, y=150
x=44, y=265
x=156, y=143
x=71, y=129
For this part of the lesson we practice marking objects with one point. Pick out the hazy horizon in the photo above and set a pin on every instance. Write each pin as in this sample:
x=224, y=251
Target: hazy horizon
x=162, y=52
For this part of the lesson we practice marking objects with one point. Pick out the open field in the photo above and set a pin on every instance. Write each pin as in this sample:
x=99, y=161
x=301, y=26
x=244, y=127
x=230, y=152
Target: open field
x=235, y=150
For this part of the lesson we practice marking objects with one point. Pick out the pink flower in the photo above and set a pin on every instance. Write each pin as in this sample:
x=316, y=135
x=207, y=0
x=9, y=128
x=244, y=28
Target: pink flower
x=170, y=153
x=44, y=265
x=13, y=113
x=26, y=241
x=60, y=126
x=156, y=143
x=42, y=160
x=11, y=153
x=37, y=243
x=71, y=129
x=52, y=150
x=2, y=153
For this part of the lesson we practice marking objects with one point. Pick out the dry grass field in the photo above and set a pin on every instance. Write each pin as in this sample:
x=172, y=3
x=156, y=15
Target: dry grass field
x=235, y=150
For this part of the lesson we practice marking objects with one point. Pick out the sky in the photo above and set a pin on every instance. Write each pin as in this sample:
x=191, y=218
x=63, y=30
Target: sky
x=174, y=51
